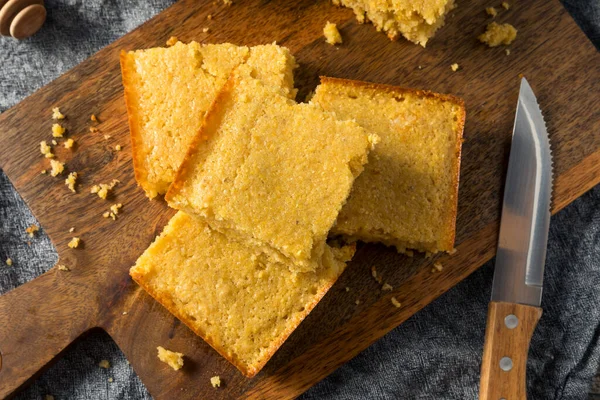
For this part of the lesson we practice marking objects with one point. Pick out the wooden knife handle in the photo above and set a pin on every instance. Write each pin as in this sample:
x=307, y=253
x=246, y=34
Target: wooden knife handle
x=38, y=320
x=507, y=336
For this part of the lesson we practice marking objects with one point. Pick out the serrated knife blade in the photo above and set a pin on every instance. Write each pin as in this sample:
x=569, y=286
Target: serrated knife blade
x=514, y=309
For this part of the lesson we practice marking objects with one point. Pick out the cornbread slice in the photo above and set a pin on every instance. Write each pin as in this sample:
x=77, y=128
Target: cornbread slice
x=417, y=21
x=270, y=172
x=243, y=304
x=407, y=195
x=168, y=90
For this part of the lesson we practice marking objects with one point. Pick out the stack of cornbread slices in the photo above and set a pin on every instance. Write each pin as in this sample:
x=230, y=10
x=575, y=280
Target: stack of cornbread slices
x=260, y=181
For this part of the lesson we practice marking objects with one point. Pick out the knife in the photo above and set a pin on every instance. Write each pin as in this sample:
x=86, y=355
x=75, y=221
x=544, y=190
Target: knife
x=514, y=310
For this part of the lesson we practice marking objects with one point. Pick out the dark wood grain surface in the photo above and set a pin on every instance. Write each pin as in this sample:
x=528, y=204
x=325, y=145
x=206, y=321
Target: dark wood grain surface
x=39, y=319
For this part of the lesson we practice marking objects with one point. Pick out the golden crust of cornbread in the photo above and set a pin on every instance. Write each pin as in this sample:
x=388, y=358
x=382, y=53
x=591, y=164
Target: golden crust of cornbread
x=417, y=21
x=270, y=172
x=407, y=195
x=241, y=303
x=168, y=91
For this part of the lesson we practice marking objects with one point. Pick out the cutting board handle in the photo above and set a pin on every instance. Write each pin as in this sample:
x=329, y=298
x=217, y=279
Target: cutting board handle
x=504, y=364
x=38, y=320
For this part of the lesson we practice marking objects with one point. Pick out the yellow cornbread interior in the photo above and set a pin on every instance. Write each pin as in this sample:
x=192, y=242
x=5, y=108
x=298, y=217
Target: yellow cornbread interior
x=407, y=194
x=168, y=91
x=240, y=302
x=271, y=172
x=417, y=21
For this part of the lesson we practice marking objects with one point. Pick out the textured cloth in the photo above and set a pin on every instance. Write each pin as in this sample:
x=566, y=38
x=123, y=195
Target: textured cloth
x=436, y=354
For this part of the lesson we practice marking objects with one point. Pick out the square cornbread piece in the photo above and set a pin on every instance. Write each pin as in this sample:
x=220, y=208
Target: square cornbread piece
x=239, y=301
x=417, y=21
x=407, y=195
x=168, y=91
x=269, y=171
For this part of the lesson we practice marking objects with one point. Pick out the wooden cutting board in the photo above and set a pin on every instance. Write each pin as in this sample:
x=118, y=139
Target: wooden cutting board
x=40, y=318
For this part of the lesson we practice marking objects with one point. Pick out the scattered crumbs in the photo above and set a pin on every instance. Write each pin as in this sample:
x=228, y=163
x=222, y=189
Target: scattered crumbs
x=62, y=267
x=396, y=303
x=386, y=286
x=106, y=214
x=357, y=302
x=93, y=129
x=104, y=364
x=453, y=251
x=347, y=289
x=205, y=30
x=215, y=381
x=106, y=137
x=45, y=149
x=72, y=229
x=228, y=2
x=9, y=261
x=69, y=143
x=71, y=180
x=491, y=11
x=124, y=312
x=507, y=51
x=497, y=34
x=209, y=17
x=103, y=188
x=57, y=130
x=374, y=274
x=57, y=167
x=115, y=208
x=505, y=5
x=49, y=397
x=332, y=35
x=93, y=116
x=56, y=114
x=74, y=243
x=521, y=76
x=31, y=231
x=110, y=379
x=438, y=266
x=118, y=147
x=172, y=40
x=43, y=172
x=420, y=67
x=171, y=358
x=454, y=67
x=54, y=142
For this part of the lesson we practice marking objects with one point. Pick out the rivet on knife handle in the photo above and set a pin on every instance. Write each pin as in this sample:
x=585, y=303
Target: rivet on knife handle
x=504, y=364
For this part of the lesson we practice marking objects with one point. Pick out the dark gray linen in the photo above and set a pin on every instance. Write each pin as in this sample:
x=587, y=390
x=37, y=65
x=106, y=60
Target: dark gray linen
x=436, y=354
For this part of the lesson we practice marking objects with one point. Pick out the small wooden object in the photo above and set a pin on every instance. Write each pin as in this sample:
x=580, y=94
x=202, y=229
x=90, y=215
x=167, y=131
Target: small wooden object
x=21, y=18
x=507, y=336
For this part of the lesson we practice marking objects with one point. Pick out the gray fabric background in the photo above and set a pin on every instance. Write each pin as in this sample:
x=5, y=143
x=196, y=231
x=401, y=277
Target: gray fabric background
x=434, y=355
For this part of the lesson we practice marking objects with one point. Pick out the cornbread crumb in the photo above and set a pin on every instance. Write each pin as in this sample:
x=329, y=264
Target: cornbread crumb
x=57, y=130
x=104, y=364
x=93, y=118
x=43, y=172
x=357, y=302
x=396, y=303
x=228, y=2
x=205, y=30
x=347, y=289
x=118, y=147
x=106, y=214
x=57, y=167
x=507, y=51
x=102, y=189
x=62, y=267
x=56, y=114
x=332, y=35
x=74, y=243
x=54, y=142
x=172, y=358
x=438, y=266
x=497, y=34
x=93, y=129
x=491, y=11
x=72, y=230
x=374, y=274
x=45, y=149
x=32, y=230
x=9, y=261
x=71, y=180
x=505, y=5
x=114, y=211
x=49, y=397
x=69, y=143
x=386, y=286
x=209, y=17
x=215, y=381
x=172, y=40
x=454, y=67
x=453, y=251
x=110, y=379
x=124, y=312
x=106, y=137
